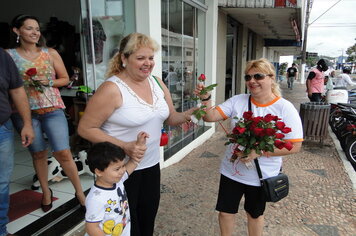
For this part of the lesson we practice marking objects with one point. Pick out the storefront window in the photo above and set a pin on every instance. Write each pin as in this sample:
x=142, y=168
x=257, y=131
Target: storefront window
x=104, y=24
x=183, y=44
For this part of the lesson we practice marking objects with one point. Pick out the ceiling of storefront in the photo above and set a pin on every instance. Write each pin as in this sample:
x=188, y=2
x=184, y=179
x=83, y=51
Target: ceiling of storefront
x=270, y=23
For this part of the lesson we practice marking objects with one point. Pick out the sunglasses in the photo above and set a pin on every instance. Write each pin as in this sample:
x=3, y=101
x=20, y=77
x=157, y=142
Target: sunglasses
x=257, y=76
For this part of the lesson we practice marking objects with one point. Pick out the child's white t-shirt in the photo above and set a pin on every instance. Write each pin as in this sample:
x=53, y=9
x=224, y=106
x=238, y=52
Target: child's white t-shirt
x=110, y=207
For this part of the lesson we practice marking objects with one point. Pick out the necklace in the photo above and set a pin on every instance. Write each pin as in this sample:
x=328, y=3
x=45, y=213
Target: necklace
x=153, y=106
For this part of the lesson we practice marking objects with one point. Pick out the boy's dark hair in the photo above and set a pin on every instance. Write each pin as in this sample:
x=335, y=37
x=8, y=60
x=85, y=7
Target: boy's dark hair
x=102, y=154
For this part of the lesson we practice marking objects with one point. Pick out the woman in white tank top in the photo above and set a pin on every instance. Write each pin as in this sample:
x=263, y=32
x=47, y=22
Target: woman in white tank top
x=128, y=102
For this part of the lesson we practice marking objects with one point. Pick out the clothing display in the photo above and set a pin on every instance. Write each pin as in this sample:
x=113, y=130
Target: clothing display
x=270, y=166
x=110, y=207
x=147, y=117
x=99, y=38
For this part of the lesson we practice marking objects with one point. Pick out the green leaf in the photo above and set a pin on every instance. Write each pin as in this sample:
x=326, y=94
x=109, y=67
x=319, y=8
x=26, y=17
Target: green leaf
x=252, y=140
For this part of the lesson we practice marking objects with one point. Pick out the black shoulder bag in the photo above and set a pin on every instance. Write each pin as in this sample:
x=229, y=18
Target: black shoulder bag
x=275, y=188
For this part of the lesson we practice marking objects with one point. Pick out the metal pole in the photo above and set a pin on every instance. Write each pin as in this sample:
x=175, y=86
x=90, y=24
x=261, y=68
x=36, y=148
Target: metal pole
x=304, y=49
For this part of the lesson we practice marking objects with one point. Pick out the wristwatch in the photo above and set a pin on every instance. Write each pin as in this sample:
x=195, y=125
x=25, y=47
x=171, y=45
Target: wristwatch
x=207, y=99
x=50, y=82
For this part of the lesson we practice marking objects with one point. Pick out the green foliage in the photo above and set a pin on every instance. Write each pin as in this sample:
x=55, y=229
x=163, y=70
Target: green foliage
x=282, y=68
x=208, y=88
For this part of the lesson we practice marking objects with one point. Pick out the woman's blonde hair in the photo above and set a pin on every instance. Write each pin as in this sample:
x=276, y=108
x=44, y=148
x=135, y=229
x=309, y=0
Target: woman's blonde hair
x=129, y=45
x=267, y=68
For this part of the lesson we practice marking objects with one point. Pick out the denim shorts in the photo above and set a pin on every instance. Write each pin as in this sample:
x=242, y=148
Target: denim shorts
x=53, y=124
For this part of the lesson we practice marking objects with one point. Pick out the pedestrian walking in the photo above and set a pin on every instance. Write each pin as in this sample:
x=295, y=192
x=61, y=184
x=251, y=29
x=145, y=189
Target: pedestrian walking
x=292, y=74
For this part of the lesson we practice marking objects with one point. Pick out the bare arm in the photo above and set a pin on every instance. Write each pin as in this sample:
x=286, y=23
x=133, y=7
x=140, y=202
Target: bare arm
x=141, y=140
x=98, y=110
x=277, y=152
x=20, y=100
x=212, y=114
x=61, y=72
x=174, y=118
x=93, y=229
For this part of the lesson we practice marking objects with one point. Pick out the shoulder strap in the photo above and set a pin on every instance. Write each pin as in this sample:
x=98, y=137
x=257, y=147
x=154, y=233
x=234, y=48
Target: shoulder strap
x=256, y=160
x=157, y=82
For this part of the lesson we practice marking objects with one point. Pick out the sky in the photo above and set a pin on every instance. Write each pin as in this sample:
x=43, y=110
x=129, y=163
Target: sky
x=333, y=40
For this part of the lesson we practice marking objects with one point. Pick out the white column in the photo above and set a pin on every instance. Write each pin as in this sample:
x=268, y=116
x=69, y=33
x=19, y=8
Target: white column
x=148, y=21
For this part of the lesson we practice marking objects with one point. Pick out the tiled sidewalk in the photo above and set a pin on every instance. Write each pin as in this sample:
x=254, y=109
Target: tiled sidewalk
x=321, y=199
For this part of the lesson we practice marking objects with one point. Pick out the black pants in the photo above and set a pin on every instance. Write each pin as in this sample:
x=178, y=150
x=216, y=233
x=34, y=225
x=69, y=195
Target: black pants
x=315, y=97
x=143, y=192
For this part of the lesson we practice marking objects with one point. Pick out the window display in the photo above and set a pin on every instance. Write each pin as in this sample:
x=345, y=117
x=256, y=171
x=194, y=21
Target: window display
x=183, y=45
x=101, y=35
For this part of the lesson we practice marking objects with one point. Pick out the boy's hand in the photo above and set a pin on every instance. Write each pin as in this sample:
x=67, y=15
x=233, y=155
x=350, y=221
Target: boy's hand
x=136, y=149
x=141, y=138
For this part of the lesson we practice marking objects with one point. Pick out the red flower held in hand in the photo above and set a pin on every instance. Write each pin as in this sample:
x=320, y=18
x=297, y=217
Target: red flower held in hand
x=31, y=72
x=202, y=77
x=238, y=130
x=288, y=145
x=286, y=130
x=261, y=134
x=280, y=125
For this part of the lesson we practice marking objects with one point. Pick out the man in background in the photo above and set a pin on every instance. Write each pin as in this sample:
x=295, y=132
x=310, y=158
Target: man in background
x=292, y=74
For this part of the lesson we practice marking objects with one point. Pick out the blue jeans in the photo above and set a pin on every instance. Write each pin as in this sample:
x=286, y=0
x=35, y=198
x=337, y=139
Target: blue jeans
x=53, y=124
x=6, y=166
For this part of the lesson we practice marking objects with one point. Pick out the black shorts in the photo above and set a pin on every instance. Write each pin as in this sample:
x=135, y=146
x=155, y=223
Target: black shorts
x=231, y=192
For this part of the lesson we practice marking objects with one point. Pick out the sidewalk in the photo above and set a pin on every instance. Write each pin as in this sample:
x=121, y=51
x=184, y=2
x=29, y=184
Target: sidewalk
x=321, y=199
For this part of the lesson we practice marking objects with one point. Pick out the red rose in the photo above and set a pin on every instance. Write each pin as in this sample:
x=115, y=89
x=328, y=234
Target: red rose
x=268, y=118
x=259, y=131
x=280, y=125
x=279, y=144
x=238, y=130
x=202, y=77
x=280, y=135
x=270, y=131
x=288, y=145
x=257, y=119
x=247, y=115
x=286, y=130
x=31, y=72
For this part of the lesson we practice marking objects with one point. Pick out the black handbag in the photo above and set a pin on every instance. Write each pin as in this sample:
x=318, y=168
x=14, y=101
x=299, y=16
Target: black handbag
x=275, y=188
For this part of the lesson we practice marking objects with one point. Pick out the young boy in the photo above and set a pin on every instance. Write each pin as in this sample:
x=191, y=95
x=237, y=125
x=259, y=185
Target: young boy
x=107, y=209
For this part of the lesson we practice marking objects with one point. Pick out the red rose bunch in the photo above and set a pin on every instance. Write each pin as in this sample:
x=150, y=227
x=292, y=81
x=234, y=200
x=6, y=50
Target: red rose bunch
x=261, y=134
x=32, y=72
x=199, y=113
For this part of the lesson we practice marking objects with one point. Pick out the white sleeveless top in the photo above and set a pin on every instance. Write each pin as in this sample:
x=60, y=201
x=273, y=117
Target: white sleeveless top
x=135, y=115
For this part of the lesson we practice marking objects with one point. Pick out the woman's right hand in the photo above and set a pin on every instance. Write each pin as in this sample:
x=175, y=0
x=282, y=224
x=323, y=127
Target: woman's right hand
x=136, y=149
x=198, y=89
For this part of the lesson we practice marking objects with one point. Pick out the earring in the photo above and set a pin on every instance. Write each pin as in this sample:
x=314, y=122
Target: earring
x=123, y=65
x=18, y=38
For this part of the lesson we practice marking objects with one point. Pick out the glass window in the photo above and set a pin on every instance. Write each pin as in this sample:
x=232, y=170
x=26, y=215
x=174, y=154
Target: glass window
x=183, y=45
x=104, y=24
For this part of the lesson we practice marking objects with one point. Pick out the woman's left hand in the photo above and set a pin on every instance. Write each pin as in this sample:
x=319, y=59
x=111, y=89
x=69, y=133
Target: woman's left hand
x=253, y=155
x=43, y=80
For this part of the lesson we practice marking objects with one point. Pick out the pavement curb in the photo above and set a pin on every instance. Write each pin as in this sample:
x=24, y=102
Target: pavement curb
x=348, y=167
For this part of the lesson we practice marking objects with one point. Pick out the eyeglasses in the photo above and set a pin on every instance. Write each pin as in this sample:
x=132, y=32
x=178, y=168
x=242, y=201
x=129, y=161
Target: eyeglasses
x=257, y=76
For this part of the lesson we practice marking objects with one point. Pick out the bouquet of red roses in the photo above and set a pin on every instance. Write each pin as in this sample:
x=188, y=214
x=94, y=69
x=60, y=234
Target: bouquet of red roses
x=259, y=133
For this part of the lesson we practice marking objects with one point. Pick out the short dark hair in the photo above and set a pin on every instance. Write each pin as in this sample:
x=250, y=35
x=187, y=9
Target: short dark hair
x=102, y=154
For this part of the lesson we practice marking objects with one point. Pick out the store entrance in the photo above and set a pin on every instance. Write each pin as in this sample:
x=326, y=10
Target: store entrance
x=60, y=25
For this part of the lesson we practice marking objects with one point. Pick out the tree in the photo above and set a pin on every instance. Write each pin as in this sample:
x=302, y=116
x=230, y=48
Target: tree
x=351, y=53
